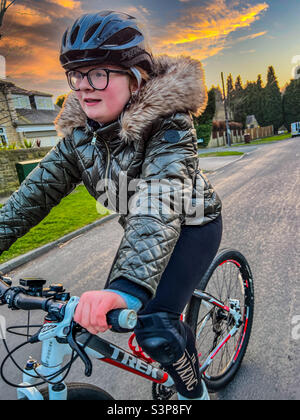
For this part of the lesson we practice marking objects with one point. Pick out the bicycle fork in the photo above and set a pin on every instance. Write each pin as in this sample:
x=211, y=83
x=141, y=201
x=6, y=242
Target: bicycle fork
x=53, y=354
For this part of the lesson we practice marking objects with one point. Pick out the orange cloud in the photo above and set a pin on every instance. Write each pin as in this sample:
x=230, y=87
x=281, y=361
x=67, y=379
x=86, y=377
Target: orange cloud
x=39, y=63
x=26, y=16
x=251, y=36
x=203, y=31
x=68, y=4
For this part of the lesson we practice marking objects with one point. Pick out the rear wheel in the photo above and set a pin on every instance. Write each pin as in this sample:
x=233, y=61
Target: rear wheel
x=228, y=279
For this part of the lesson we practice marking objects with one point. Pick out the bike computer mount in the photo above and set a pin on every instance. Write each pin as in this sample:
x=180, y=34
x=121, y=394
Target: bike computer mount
x=35, y=287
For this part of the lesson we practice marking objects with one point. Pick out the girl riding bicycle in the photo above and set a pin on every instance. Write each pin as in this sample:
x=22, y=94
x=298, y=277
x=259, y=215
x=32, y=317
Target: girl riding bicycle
x=127, y=134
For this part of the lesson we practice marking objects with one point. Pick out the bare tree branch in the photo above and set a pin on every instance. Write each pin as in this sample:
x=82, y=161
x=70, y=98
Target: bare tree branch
x=3, y=8
x=12, y=2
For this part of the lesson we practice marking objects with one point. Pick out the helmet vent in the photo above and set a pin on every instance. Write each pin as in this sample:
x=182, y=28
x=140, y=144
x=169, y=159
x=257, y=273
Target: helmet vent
x=74, y=35
x=91, y=32
x=64, y=41
x=122, y=37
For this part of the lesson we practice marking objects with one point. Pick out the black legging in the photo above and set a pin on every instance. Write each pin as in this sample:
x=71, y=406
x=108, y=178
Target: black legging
x=193, y=254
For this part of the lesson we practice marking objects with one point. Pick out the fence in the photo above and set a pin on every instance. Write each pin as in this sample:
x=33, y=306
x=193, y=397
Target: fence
x=260, y=132
x=218, y=138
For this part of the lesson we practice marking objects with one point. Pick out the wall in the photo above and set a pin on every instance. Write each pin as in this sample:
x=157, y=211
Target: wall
x=7, y=116
x=9, y=181
x=220, y=139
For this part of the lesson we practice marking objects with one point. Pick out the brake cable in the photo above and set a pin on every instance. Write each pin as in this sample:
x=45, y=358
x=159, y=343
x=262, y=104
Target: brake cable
x=45, y=380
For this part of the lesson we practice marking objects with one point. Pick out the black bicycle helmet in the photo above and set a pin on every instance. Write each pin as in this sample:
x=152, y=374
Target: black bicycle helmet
x=107, y=36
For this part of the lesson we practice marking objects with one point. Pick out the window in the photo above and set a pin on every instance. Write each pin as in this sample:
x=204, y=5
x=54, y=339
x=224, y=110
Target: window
x=3, y=137
x=44, y=103
x=21, y=101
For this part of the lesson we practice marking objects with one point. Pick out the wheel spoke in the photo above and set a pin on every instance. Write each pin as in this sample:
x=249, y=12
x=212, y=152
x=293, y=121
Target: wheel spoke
x=213, y=326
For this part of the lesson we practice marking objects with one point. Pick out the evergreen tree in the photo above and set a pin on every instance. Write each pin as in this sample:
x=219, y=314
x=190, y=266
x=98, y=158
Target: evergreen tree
x=230, y=96
x=259, y=105
x=291, y=103
x=250, y=98
x=253, y=100
x=238, y=84
x=272, y=101
x=209, y=113
x=238, y=102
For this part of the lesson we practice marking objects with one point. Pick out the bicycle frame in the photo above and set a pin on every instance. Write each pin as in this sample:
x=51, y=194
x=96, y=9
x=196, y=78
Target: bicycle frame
x=54, y=352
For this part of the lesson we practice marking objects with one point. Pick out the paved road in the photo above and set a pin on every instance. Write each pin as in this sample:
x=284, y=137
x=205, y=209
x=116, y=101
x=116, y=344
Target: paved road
x=260, y=195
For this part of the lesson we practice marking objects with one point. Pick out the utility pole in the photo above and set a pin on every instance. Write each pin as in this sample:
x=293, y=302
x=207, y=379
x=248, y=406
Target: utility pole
x=228, y=133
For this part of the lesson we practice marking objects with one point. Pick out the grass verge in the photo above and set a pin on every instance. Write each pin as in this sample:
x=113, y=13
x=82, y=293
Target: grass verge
x=268, y=139
x=218, y=154
x=74, y=212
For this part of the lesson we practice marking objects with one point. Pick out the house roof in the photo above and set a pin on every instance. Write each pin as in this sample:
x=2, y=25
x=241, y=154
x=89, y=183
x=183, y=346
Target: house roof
x=18, y=90
x=251, y=120
x=31, y=116
x=37, y=117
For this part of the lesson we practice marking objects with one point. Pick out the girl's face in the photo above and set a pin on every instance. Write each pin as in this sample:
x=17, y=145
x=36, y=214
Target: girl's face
x=109, y=103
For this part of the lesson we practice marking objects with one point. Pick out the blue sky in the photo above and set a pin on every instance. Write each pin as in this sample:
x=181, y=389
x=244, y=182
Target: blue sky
x=233, y=36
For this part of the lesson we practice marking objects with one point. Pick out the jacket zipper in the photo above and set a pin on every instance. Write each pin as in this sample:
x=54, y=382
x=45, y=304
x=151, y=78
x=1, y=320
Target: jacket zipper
x=94, y=139
x=106, y=174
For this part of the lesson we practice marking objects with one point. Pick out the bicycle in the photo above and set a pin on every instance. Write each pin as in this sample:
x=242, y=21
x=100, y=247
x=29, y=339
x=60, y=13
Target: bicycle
x=221, y=321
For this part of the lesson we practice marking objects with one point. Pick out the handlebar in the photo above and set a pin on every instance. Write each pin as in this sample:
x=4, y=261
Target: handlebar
x=121, y=320
x=61, y=312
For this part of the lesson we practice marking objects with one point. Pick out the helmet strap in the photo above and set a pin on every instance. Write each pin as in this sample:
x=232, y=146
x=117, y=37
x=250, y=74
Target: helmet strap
x=138, y=76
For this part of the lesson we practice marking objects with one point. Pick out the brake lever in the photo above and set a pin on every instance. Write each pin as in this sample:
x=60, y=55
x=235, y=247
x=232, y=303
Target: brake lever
x=71, y=339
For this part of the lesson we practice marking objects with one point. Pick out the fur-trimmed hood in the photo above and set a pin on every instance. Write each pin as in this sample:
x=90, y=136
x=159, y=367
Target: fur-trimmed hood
x=178, y=86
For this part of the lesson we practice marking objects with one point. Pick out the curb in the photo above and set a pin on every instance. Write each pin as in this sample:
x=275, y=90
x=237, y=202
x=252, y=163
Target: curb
x=229, y=163
x=23, y=259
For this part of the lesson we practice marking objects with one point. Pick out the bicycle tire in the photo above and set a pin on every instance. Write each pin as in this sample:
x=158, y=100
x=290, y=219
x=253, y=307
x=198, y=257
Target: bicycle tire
x=218, y=380
x=81, y=392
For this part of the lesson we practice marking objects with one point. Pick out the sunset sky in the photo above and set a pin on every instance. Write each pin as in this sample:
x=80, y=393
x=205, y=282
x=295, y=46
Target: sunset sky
x=234, y=36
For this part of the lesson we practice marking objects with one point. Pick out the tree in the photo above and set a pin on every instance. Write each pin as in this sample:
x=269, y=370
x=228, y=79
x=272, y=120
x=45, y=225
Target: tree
x=4, y=5
x=253, y=100
x=238, y=84
x=203, y=124
x=259, y=110
x=291, y=103
x=209, y=113
x=238, y=102
x=272, y=102
x=60, y=100
x=230, y=94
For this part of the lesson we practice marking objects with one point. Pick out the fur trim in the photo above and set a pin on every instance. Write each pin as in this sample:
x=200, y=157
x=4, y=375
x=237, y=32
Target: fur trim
x=178, y=86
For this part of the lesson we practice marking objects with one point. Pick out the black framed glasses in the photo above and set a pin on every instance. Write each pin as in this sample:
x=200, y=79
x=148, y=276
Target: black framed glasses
x=98, y=78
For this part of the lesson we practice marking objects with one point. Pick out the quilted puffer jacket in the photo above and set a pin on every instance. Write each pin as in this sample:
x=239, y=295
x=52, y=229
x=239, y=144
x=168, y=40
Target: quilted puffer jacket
x=153, y=142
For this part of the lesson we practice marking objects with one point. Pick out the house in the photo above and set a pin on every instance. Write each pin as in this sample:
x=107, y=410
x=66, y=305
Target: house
x=251, y=122
x=26, y=114
x=282, y=130
x=220, y=109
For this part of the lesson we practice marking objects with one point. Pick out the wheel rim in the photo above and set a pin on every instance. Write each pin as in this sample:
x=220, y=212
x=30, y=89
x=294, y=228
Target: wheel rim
x=213, y=324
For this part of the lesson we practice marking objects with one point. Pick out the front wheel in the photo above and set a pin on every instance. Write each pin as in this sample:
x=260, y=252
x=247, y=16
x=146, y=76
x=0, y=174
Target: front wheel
x=228, y=279
x=82, y=392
